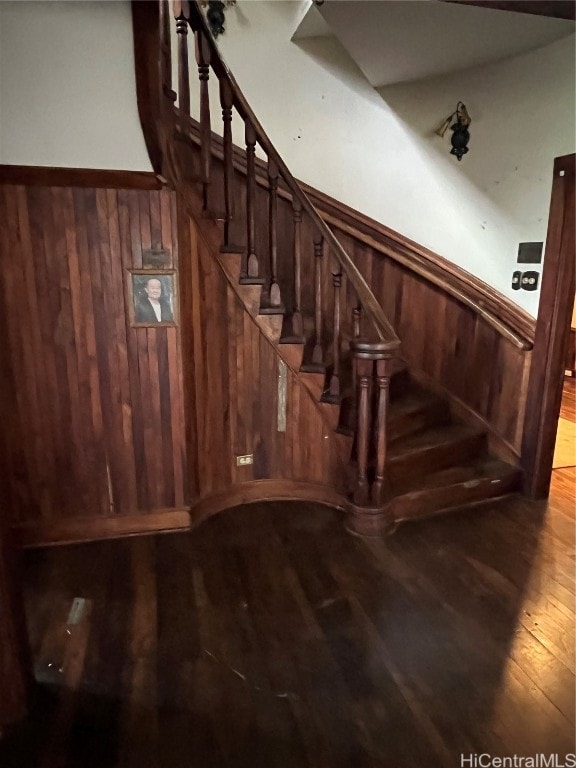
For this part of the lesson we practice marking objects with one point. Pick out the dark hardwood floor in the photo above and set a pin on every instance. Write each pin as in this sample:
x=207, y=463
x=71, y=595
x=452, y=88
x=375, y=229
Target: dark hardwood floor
x=271, y=637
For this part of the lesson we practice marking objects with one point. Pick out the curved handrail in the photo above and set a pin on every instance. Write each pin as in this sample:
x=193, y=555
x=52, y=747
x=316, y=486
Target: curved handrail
x=384, y=329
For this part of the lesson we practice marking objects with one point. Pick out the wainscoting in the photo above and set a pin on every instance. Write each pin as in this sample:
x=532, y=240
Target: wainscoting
x=92, y=408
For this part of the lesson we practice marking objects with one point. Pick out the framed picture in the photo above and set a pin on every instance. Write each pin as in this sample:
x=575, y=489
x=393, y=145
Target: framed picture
x=152, y=297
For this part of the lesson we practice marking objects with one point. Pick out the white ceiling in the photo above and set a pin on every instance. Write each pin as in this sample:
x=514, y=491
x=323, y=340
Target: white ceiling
x=395, y=41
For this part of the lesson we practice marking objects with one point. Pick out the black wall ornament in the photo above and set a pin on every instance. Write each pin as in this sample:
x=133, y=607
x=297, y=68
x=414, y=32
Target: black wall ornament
x=215, y=14
x=460, y=133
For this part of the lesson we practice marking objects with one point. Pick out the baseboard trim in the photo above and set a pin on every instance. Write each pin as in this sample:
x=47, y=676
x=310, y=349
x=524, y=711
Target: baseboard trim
x=75, y=530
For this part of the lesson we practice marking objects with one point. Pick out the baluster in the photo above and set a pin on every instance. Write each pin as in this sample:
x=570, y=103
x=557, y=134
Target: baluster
x=274, y=293
x=317, y=354
x=180, y=9
x=383, y=383
x=334, y=392
x=251, y=267
x=356, y=320
x=203, y=61
x=297, y=325
x=356, y=323
x=361, y=493
x=166, y=52
x=226, y=101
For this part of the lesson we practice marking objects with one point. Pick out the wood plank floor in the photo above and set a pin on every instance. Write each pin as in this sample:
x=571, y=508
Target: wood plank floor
x=270, y=637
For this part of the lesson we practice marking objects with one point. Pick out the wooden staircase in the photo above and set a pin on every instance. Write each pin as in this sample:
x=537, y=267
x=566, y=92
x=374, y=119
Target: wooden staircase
x=408, y=456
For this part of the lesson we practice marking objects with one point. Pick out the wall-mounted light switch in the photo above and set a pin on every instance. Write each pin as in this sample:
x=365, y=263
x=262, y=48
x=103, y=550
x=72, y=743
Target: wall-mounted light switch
x=529, y=281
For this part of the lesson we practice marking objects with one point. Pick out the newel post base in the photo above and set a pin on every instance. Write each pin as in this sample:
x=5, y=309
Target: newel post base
x=368, y=521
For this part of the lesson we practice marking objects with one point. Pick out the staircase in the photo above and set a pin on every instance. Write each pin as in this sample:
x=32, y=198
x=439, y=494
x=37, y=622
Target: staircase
x=406, y=456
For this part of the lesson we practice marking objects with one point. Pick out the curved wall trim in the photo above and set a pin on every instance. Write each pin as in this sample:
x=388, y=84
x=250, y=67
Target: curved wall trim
x=264, y=490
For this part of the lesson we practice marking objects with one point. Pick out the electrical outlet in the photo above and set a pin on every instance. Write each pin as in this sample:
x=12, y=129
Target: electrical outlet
x=243, y=461
x=516, y=276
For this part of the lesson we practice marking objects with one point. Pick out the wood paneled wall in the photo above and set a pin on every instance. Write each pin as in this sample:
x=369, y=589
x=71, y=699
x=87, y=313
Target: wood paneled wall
x=446, y=343
x=451, y=346
x=92, y=408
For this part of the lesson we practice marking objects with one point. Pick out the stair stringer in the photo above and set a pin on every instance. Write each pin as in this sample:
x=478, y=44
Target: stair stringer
x=339, y=446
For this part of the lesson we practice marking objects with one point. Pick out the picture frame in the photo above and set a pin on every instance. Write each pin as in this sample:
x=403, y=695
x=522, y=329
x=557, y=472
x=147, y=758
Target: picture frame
x=152, y=298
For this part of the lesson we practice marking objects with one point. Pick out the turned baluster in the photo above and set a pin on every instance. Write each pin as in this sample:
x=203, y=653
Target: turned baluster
x=165, y=47
x=356, y=322
x=251, y=267
x=203, y=61
x=363, y=432
x=383, y=384
x=226, y=101
x=297, y=325
x=335, y=378
x=180, y=9
x=274, y=292
x=317, y=354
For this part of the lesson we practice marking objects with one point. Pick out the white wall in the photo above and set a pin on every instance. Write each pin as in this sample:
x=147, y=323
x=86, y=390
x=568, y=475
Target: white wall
x=378, y=153
x=67, y=86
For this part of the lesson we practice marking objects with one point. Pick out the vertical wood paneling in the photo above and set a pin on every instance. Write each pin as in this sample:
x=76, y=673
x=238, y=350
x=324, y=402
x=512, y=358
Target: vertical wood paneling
x=235, y=371
x=96, y=411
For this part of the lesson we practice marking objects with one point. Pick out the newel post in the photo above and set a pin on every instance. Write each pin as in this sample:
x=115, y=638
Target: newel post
x=368, y=509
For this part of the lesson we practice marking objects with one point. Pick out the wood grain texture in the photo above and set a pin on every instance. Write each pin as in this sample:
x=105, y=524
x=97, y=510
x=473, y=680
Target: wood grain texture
x=232, y=404
x=552, y=331
x=92, y=406
x=269, y=638
x=449, y=322
x=46, y=176
x=15, y=666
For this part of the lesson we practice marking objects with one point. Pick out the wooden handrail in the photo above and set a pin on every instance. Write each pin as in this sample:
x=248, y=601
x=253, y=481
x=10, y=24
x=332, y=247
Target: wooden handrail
x=385, y=332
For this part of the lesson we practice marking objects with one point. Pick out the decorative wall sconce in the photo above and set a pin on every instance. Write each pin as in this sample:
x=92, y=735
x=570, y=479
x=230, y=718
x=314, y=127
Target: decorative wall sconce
x=460, y=134
x=215, y=14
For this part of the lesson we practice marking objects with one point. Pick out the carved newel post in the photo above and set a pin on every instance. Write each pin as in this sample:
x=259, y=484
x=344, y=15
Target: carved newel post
x=368, y=511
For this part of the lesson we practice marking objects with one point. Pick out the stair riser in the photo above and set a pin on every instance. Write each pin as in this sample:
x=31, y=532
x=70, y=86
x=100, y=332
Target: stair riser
x=414, y=506
x=407, y=424
x=436, y=457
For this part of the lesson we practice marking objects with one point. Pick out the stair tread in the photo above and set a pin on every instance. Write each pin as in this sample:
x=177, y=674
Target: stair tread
x=431, y=436
x=413, y=401
x=472, y=472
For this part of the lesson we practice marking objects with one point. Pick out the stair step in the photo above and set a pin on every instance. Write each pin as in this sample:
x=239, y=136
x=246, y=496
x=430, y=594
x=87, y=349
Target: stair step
x=314, y=382
x=291, y=354
x=272, y=310
x=271, y=326
x=411, y=410
x=249, y=295
x=451, y=488
x=433, y=449
x=414, y=412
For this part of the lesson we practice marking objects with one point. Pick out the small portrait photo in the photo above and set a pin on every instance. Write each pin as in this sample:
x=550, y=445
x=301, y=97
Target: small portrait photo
x=153, y=298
